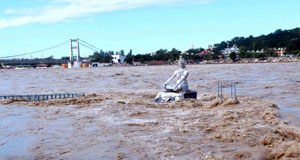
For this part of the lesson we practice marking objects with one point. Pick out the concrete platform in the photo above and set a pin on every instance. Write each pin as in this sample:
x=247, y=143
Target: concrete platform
x=174, y=96
x=190, y=94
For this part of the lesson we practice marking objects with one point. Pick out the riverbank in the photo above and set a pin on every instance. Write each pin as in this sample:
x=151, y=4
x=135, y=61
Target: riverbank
x=155, y=63
x=253, y=60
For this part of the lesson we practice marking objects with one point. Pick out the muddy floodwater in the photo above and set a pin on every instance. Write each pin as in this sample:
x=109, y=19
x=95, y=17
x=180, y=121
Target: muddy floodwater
x=119, y=120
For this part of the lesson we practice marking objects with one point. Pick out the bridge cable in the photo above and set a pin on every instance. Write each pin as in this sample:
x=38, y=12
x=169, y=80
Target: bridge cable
x=38, y=51
x=89, y=45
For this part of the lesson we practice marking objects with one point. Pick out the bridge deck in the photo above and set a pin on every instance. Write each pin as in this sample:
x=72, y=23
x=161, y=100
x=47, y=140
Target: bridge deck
x=33, y=61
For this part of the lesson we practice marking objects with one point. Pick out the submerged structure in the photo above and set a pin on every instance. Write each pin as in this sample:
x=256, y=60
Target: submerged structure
x=178, y=91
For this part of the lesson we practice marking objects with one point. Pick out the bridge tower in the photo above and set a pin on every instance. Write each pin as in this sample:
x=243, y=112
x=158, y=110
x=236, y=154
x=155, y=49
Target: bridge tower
x=75, y=46
x=75, y=60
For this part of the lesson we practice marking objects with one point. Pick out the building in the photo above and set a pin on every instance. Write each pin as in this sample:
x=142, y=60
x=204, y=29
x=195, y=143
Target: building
x=192, y=46
x=118, y=59
x=226, y=52
x=209, y=50
x=279, y=51
x=97, y=64
x=257, y=51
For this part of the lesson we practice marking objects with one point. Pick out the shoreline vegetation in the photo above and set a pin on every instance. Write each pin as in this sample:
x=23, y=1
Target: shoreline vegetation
x=156, y=63
x=281, y=43
x=228, y=61
x=279, y=46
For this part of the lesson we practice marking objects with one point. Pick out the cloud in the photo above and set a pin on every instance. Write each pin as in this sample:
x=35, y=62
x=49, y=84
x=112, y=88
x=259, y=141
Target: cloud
x=63, y=10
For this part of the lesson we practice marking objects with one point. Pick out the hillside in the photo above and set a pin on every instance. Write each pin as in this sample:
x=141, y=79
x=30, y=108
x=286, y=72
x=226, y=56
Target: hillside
x=289, y=39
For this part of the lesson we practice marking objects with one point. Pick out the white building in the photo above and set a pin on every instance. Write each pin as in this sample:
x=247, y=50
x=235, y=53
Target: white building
x=192, y=46
x=226, y=52
x=279, y=51
x=97, y=64
x=118, y=58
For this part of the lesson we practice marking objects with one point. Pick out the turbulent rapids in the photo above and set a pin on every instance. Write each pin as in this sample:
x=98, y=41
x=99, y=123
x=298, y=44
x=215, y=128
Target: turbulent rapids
x=119, y=120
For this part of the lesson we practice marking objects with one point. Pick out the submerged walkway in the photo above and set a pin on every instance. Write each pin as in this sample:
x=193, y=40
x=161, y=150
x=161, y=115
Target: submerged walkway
x=41, y=97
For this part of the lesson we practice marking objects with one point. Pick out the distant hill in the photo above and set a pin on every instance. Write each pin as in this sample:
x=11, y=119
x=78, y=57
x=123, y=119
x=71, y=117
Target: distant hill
x=289, y=39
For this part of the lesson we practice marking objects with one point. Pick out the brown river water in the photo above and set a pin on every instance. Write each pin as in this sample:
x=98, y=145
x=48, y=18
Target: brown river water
x=119, y=120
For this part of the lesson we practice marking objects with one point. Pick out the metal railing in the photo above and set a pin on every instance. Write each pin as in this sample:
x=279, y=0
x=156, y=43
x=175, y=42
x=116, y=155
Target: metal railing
x=42, y=97
x=232, y=89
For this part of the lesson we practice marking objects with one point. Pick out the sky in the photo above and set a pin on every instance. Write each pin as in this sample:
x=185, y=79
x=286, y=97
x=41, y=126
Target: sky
x=141, y=25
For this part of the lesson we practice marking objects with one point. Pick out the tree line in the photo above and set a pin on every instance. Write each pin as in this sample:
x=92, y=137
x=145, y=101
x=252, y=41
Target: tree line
x=289, y=39
x=159, y=55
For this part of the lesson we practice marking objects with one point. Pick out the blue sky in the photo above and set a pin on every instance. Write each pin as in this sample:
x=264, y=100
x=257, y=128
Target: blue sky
x=141, y=25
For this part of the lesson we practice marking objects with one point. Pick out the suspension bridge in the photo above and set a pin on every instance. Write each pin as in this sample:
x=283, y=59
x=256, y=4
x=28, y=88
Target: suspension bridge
x=74, y=54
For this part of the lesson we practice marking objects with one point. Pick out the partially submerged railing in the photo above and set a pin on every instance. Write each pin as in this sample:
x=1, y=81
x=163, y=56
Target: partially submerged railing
x=41, y=97
x=232, y=93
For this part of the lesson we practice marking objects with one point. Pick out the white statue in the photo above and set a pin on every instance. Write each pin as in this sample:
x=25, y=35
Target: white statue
x=180, y=75
x=178, y=91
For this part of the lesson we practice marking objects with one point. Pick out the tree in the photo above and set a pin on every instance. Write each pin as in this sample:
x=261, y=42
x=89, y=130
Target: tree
x=143, y=58
x=65, y=58
x=129, y=57
x=174, y=54
x=298, y=55
x=243, y=50
x=107, y=58
x=122, y=53
x=215, y=56
x=102, y=57
x=161, y=55
x=50, y=57
x=232, y=56
x=96, y=57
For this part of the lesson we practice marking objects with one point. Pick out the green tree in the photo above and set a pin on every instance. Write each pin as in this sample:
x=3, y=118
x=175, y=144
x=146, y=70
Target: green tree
x=122, y=53
x=65, y=58
x=298, y=55
x=95, y=57
x=243, y=51
x=102, y=57
x=232, y=56
x=215, y=56
x=50, y=57
x=161, y=55
x=107, y=58
x=129, y=57
x=174, y=54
